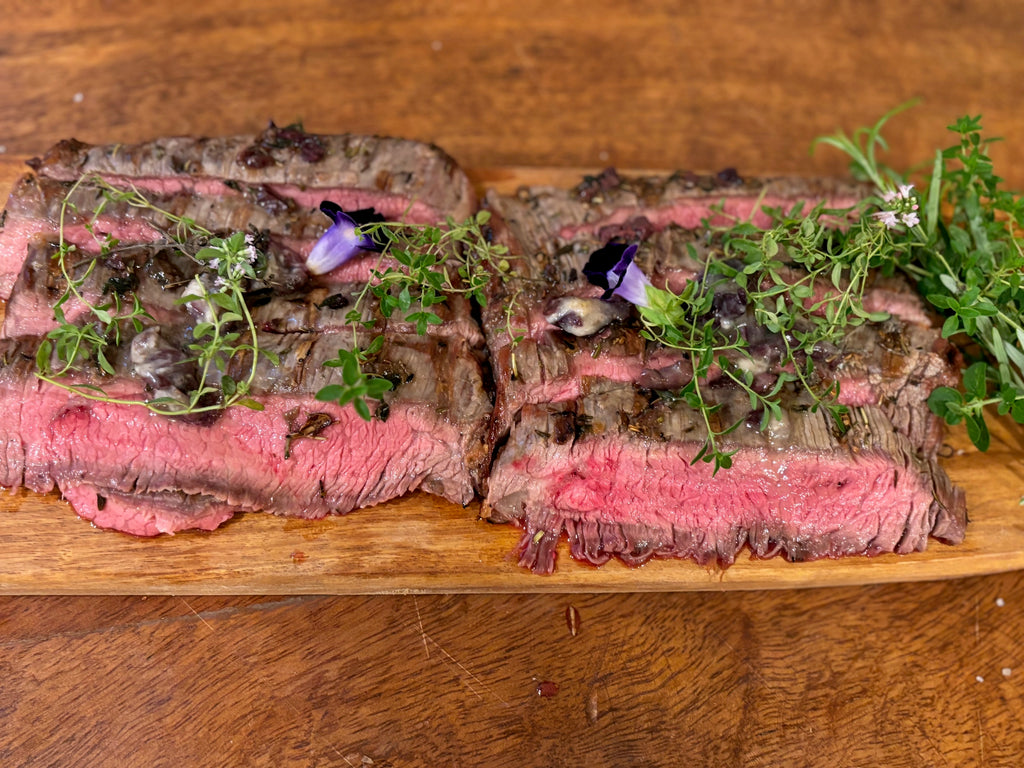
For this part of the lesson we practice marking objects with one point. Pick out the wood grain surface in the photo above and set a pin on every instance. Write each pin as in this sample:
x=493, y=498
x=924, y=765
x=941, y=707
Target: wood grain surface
x=906, y=674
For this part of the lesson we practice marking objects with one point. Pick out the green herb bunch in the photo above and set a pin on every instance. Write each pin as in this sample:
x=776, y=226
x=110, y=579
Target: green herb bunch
x=963, y=248
x=803, y=281
x=426, y=264
x=226, y=265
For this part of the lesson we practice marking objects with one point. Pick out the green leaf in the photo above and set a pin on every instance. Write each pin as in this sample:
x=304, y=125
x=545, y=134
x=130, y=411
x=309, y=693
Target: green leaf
x=931, y=213
x=224, y=301
x=103, y=362
x=974, y=380
x=362, y=409
x=951, y=326
x=977, y=430
x=404, y=299
x=350, y=372
x=376, y=387
x=43, y=357
x=946, y=402
x=330, y=393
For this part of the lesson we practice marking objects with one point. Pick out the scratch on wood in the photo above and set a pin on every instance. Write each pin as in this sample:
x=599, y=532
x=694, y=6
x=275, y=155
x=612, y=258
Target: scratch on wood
x=419, y=620
x=977, y=622
x=208, y=624
x=461, y=666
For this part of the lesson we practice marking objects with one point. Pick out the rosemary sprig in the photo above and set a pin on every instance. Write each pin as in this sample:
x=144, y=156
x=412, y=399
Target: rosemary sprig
x=225, y=267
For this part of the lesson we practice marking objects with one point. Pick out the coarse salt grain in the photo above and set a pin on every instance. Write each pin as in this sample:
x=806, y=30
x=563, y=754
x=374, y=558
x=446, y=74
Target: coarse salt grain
x=78, y=97
x=1000, y=602
x=1007, y=671
x=980, y=679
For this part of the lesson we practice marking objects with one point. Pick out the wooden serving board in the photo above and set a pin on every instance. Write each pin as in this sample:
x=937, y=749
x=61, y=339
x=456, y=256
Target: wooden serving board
x=422, y=544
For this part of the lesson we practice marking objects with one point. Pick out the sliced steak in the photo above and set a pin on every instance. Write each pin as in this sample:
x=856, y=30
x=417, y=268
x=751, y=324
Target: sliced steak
x=614, y=471
x=610, y=205
x=590, y=442
x=895, y=364
x=401, y=179
x=428, y=435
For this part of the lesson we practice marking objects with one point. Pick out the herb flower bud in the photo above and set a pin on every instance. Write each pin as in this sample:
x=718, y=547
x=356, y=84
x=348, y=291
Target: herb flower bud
x=901, y=208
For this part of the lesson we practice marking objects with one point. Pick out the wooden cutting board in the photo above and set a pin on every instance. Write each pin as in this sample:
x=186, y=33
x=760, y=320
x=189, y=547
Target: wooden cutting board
x=423, y=544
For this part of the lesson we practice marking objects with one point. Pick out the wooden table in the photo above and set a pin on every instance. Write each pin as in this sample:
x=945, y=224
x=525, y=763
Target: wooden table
x=915, y=674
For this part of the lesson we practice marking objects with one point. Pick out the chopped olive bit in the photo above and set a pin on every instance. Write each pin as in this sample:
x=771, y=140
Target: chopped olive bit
x=960, y=239
x=216, y=295
x=433, y=263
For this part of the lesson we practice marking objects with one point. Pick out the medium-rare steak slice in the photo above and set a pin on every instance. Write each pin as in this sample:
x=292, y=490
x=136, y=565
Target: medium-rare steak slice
x=401, y=179
x=607, y=205
x=297, y=456
x=594, y=412
x=274, y=181
x=614, y=470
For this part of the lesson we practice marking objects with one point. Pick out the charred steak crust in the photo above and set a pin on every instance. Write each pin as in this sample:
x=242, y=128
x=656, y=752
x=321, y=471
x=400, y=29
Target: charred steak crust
x=405, y=172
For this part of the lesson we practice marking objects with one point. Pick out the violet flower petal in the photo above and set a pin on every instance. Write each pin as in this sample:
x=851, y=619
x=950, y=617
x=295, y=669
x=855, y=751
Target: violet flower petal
x=341, y=241
x=633, y=286
x=612, y=268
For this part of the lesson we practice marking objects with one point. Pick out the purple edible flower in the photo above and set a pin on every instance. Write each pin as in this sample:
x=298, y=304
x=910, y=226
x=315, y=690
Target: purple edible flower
x=612, y=268
x=341, y=241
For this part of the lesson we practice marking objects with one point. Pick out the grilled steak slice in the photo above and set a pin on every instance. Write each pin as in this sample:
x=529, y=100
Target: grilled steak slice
x=296, y=457
x=589, y=441
x=614, y=471
x=146, y=514
x=401, y=179
x=895, y=364
x=610, y=205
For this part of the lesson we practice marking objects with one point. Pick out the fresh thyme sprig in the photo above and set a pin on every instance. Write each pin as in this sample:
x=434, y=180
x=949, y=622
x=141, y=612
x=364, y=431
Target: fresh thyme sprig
x=430, y=264
x=226, y=265
x=960, y=240
x=802, y=281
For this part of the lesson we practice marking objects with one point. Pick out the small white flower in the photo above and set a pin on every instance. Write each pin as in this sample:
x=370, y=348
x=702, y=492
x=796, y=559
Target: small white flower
x=214, y=264
x=220, y=284
x=250, y=254
x=901, y=207
x=888, y=218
